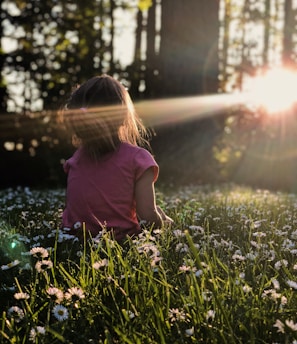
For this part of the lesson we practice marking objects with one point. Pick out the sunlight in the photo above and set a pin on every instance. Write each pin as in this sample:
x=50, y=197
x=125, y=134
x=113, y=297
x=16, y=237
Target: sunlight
x=273, y=91
x=174, y=110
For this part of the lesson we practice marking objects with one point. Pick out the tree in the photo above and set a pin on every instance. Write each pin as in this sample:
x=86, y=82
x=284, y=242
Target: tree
x=289, y=27
x=188, y=58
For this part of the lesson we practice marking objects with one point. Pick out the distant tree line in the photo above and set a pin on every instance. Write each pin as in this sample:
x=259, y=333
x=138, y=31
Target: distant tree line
x=180, y=48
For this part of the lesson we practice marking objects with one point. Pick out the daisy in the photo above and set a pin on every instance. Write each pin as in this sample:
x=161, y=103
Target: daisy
x=280, y=326
x=292, y=284
x=189, y=332
x=100, y=264
x=34, y=332
x=16, y=312
x=10, y=265
x=55, y=293
x=74, y=294
x=281, y=263
x=198, y=273
x=60, y=312
x=291, y=325
x=276, y=284
x=185, y=268
x=246, y=288
x=39, y=252
x=176, y=315
x=21, y=296
x=43, y=265
x=210, y=314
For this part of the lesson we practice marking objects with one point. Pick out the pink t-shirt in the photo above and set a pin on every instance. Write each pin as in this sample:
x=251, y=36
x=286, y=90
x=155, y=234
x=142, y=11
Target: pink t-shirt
x=102, y=193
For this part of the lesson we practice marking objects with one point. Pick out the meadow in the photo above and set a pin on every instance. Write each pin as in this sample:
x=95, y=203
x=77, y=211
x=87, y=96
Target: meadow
x=224, y=272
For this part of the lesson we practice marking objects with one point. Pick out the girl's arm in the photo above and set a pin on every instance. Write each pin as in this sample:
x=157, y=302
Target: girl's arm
x=146, y=207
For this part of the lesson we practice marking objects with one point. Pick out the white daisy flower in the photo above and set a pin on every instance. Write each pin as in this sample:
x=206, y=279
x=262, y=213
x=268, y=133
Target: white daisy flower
x=74, y=294
x=21, y=296
x=189, y=332
x=100, y=264
x=176, y=315
x=280, y=326
x=56, y=293
x=16, y=312
x=210, y=314
x=292, y=284
x=281, y=263
x=10, y=265
x=276, y=284
x=291, y=325
x=43, y=265
x=39, y=252
x=34, y=332
x=246, y=288
x=60, y=312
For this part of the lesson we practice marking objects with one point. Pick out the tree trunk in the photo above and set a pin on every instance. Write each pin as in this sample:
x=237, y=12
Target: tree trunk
x=289, y=25
x=188, y=57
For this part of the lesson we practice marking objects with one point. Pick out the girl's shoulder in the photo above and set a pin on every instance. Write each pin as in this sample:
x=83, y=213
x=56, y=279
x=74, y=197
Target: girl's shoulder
x=128, y=148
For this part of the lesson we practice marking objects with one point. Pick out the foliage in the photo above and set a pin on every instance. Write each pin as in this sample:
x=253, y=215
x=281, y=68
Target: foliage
x=225, y=272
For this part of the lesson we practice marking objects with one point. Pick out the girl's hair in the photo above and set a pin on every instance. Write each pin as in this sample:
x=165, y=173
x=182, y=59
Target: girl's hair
x=101, y=113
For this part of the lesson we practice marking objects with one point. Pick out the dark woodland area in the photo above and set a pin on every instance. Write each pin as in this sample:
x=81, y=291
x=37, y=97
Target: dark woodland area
x=188, y=51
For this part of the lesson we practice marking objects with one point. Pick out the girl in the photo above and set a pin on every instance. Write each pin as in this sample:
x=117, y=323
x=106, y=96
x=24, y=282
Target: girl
x=110, y=182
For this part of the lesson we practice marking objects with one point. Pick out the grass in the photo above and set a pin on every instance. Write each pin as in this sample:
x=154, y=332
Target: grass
x=225, y=272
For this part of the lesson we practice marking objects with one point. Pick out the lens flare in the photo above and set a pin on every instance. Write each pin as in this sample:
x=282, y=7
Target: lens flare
x=273, y=91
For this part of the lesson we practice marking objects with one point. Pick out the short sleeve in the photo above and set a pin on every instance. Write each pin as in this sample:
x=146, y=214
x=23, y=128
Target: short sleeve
x=66, y=166
x=143, y=161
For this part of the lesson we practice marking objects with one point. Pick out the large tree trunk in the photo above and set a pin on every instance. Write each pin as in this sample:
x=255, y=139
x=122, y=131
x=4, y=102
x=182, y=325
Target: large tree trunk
x=289, y=26
x=187, y=64
x=188, y=57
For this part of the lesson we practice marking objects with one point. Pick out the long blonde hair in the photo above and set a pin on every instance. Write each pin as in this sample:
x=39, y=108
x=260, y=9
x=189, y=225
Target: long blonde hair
x=101, y=113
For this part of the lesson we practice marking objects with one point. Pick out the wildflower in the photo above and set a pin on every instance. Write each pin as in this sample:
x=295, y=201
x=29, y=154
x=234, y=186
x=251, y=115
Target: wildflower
x=291, y=325
x=156, y=260
x=281, y=263
x=43, y=265
x=16, y=312
x=251, y=256
x=39, y=252
x=10, y=265
x=292, y=284
x=77, y=225
x=185, y=268
x=246, y=288
x=178, y=233
x=100, y=264
x=274, y=296
x=130, y=314
x=238, y=257
x=259, y=234
x=176, y=315
x=189, y=332
x=207, y=295
x=60, y=312
x=74, y=294
x=182, y=248
x=21, y=296
x=56, y=293
x=210, y=314
x=242, y=275
x=198, y=273
x=280, y=326
x=34, y=332
x=275, y=284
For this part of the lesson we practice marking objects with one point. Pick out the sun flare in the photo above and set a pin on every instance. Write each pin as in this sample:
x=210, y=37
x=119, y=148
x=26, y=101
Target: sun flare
x=274, y=91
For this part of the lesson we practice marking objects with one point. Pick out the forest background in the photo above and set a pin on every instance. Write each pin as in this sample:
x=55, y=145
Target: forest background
x=183, y=60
